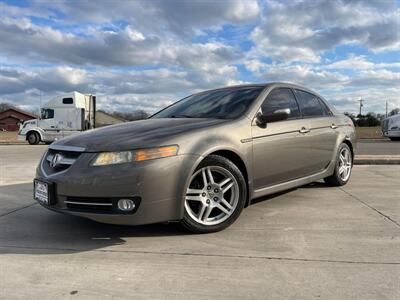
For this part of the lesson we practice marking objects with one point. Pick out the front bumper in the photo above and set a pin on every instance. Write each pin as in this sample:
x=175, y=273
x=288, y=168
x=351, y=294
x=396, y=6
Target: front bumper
x=157, y=184
x=392, y=133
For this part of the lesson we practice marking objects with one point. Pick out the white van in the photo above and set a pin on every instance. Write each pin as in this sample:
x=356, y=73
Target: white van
x=391, y=127
x=62, y=116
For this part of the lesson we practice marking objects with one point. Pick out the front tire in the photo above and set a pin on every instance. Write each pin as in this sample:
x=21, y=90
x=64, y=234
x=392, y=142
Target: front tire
x=33, y=138
x=215, y=197
x=344, y=164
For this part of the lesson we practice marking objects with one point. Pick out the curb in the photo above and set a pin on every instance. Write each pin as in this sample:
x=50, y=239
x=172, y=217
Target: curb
x=13, y=143
x=377, y=160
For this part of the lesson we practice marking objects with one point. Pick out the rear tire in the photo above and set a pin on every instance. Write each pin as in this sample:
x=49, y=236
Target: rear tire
x=394, y=138
x=215, y=197
x=33, y=138
x=344, y=164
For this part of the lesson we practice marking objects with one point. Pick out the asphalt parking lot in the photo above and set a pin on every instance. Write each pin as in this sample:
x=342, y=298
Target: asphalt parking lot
x=311, y=242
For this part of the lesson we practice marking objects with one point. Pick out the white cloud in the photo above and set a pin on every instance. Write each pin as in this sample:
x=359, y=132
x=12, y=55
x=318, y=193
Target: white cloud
x=143, y=54
x=151, y=85
x=301, y=30
x=163, y=16
x=360, y=63
x=128, y=47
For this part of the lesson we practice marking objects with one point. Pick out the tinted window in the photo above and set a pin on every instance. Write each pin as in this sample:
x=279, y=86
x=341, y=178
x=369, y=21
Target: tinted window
x=225, y=104
x=47, y=113
x=281, y=98
x=325, y=108
x=310, y=104
x=68, y=101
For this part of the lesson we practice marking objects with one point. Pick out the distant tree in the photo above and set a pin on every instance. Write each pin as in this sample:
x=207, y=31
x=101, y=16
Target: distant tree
x=380, y=117
x=368, y=120
x=352, y=117
x=4, y=106
x=394, y=112
x=129, y=116
x=132, y=116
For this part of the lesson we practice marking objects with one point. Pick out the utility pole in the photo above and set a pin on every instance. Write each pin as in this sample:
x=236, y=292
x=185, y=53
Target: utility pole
x=361, y=104
x=40, y=107
x=386, y=109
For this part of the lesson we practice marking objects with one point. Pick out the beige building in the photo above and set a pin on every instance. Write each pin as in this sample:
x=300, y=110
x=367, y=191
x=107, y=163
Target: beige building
x=104, y=119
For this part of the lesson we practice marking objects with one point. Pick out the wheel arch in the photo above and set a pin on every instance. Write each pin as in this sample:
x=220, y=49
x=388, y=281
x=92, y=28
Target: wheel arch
x=34, y=131
x=350, y=144
x=239, y=162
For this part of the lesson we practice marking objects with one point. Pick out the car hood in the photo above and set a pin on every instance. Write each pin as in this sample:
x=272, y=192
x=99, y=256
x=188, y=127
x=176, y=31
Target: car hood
x=136, y=134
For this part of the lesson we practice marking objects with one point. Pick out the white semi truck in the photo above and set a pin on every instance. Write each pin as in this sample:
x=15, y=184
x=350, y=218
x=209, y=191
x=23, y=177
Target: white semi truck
x=62, y=116
x=391, y=127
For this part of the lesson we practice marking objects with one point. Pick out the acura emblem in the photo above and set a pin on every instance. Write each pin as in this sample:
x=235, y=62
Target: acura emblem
x=56, y=159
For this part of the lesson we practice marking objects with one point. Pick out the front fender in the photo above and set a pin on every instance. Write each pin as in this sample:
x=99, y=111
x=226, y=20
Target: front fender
x=34, y=129
x=213, y=145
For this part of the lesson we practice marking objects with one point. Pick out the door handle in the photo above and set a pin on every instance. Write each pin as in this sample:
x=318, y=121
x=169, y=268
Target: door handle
x=304, y=130
x=52, y=126
x=333, y=126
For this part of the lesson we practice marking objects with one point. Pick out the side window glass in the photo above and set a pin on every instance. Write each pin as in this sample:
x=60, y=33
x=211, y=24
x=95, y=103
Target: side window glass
x=281, y=98
x=47, y=113
x=310, y=104
x=68, y=101
x=325, y=108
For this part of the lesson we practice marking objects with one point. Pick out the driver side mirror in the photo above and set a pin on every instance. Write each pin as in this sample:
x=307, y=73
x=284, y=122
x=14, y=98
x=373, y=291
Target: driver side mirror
x=277, y=115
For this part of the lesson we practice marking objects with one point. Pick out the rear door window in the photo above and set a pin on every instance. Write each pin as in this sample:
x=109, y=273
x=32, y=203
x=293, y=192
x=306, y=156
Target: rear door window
x=281, y=98
x=311, y=105
x=325, y=108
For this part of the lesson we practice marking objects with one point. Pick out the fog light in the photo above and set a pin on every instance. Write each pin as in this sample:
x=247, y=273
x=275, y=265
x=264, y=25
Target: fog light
x=126, y=205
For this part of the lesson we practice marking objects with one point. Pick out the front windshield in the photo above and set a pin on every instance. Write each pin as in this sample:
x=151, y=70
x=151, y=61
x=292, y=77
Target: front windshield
x=221, y=104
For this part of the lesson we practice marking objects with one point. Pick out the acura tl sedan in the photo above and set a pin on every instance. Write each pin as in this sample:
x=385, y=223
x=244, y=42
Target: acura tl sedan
x=201, y=160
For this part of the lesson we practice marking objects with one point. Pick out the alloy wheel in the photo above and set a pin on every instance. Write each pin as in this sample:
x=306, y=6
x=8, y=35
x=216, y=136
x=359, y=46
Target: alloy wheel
x=212, y=196
x=345, y=164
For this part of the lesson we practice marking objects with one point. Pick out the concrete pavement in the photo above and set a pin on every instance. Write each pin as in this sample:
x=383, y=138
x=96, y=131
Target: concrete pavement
x=18, y=162
x=311, y=242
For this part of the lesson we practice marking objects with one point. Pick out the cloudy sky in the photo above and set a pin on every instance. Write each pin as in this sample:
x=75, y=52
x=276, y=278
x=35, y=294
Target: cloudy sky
x=147, y=54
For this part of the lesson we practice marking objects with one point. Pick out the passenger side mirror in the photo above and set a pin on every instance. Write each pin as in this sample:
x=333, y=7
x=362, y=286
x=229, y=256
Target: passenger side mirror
x=277, y=115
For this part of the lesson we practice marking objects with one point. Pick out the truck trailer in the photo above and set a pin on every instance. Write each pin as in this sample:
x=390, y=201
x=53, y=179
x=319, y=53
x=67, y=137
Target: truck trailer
x=60, y=117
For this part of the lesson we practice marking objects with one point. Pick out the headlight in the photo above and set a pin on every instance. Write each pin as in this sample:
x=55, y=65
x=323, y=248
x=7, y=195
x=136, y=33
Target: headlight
x=111, y=158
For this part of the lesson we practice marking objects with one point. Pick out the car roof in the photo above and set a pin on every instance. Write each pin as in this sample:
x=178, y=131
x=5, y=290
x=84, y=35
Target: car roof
x=272, y=85
x=264, y=85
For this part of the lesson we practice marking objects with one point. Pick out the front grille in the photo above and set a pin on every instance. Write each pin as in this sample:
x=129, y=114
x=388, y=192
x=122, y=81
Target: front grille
x=97, y=205
x=59, y=160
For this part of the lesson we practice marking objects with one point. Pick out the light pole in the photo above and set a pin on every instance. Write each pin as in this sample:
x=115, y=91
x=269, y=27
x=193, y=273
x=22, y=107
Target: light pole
x=386, y=109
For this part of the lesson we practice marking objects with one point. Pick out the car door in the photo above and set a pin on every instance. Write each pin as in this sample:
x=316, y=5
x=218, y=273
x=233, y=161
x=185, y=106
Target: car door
x=323, y=133
x=48, y=122
x=279, y=148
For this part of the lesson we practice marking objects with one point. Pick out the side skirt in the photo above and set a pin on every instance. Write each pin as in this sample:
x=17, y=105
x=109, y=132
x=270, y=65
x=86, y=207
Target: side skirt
x=293, y=183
